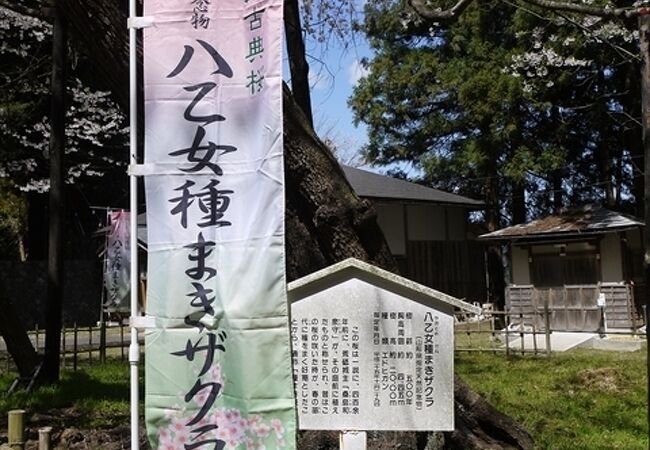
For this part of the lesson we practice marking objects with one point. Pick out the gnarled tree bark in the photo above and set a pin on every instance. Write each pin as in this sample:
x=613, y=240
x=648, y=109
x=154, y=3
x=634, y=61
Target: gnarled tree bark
x=325, y=220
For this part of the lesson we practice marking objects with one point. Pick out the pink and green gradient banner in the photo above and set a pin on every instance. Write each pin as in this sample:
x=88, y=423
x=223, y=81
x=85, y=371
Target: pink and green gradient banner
x=218, y=370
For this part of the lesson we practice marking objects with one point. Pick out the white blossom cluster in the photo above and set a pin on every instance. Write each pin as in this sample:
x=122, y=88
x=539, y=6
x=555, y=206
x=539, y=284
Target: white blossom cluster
x=549, y=52
x=608, y=30
x=535, y=66
x=96, y=131
x=26, y=29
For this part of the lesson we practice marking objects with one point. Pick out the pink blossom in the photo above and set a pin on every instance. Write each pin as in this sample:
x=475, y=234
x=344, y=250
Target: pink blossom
x=202, y=397
x=182, y=438
x=204, y=421
x=215, y=373
x=276, y=424
x=236, y=432
x=262, y=430
x=163, y=434
x=177, y=424
x=254, y=420
x=223, y=433
x=218, y=416
x=164, y=437
x=232, y=415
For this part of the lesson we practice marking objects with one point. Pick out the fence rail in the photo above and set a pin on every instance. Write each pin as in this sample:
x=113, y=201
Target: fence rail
x=518, y=332
x=79, y=345
x=505, y=332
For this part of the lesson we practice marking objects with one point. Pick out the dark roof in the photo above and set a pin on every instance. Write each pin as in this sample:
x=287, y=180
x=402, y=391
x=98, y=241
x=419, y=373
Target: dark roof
x=368, y=184
x=586, y=220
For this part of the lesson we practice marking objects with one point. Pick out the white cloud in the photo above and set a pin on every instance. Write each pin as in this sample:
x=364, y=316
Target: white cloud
x=356, y=71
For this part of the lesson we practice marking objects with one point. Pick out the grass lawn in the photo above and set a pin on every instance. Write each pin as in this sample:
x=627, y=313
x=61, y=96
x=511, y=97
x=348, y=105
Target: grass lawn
x=583, y=399
x=97, y=396
x=577, y=400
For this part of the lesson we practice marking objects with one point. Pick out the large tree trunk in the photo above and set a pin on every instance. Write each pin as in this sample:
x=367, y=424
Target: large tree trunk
x=297, y=58
x=518, y=202
x=16, y=339
x=54, y=307
x=326, y=221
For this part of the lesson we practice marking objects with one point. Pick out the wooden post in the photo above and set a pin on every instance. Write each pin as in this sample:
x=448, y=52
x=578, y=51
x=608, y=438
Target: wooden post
x=631, y=307
x=75, y=347
x=16, y=429
x=522, y=335
x=547, y=326
x=90, y=344
x=353, y=440
x=506, y=320
x=44, y=438
x=122, y=340
x=102, y=335
x=63, y=346
x=566, y=308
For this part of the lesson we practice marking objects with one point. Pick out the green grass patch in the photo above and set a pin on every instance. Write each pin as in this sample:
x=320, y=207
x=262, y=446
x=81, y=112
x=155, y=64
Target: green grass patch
x=96, y=396
x=579, y=400
x=583, y=399
x=477, y=335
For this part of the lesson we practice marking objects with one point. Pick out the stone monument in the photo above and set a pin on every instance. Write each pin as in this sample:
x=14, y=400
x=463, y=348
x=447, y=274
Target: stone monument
x=372, y=350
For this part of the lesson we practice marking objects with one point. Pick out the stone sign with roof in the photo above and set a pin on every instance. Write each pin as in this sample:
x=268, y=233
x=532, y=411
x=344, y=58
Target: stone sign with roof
x=372, y=350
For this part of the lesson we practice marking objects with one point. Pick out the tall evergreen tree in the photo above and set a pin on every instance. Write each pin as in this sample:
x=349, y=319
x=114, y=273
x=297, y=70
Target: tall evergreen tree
x=502, y=104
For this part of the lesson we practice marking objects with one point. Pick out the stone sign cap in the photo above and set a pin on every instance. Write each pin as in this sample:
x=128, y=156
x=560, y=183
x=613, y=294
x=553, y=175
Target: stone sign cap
x=387, y=280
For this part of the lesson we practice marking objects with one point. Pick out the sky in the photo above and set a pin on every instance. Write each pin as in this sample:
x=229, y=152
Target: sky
x=332, y=79
x=334, y=71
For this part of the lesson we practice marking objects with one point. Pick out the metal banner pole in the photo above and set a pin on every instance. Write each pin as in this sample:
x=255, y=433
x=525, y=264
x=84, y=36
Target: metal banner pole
x=134, y=349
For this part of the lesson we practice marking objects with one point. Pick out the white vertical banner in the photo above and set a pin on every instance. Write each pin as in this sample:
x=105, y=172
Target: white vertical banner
x=218, y=370
x=117, y=266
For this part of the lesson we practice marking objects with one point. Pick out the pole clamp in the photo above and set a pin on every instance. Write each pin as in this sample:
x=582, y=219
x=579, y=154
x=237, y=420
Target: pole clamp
x=140, y=22
x=142, y=322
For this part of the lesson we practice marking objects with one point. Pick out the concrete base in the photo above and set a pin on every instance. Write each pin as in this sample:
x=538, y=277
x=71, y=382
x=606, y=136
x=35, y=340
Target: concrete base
x=614, y=343
x=560, y=341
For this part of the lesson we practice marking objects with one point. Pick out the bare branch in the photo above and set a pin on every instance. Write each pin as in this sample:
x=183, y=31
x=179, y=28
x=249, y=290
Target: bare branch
x=587, y=10
x=436, y=14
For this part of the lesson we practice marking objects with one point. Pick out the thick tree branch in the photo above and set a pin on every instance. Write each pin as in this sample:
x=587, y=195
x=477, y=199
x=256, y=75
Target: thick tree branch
x=430, y=14
x=587, y=10
x=437, y=14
